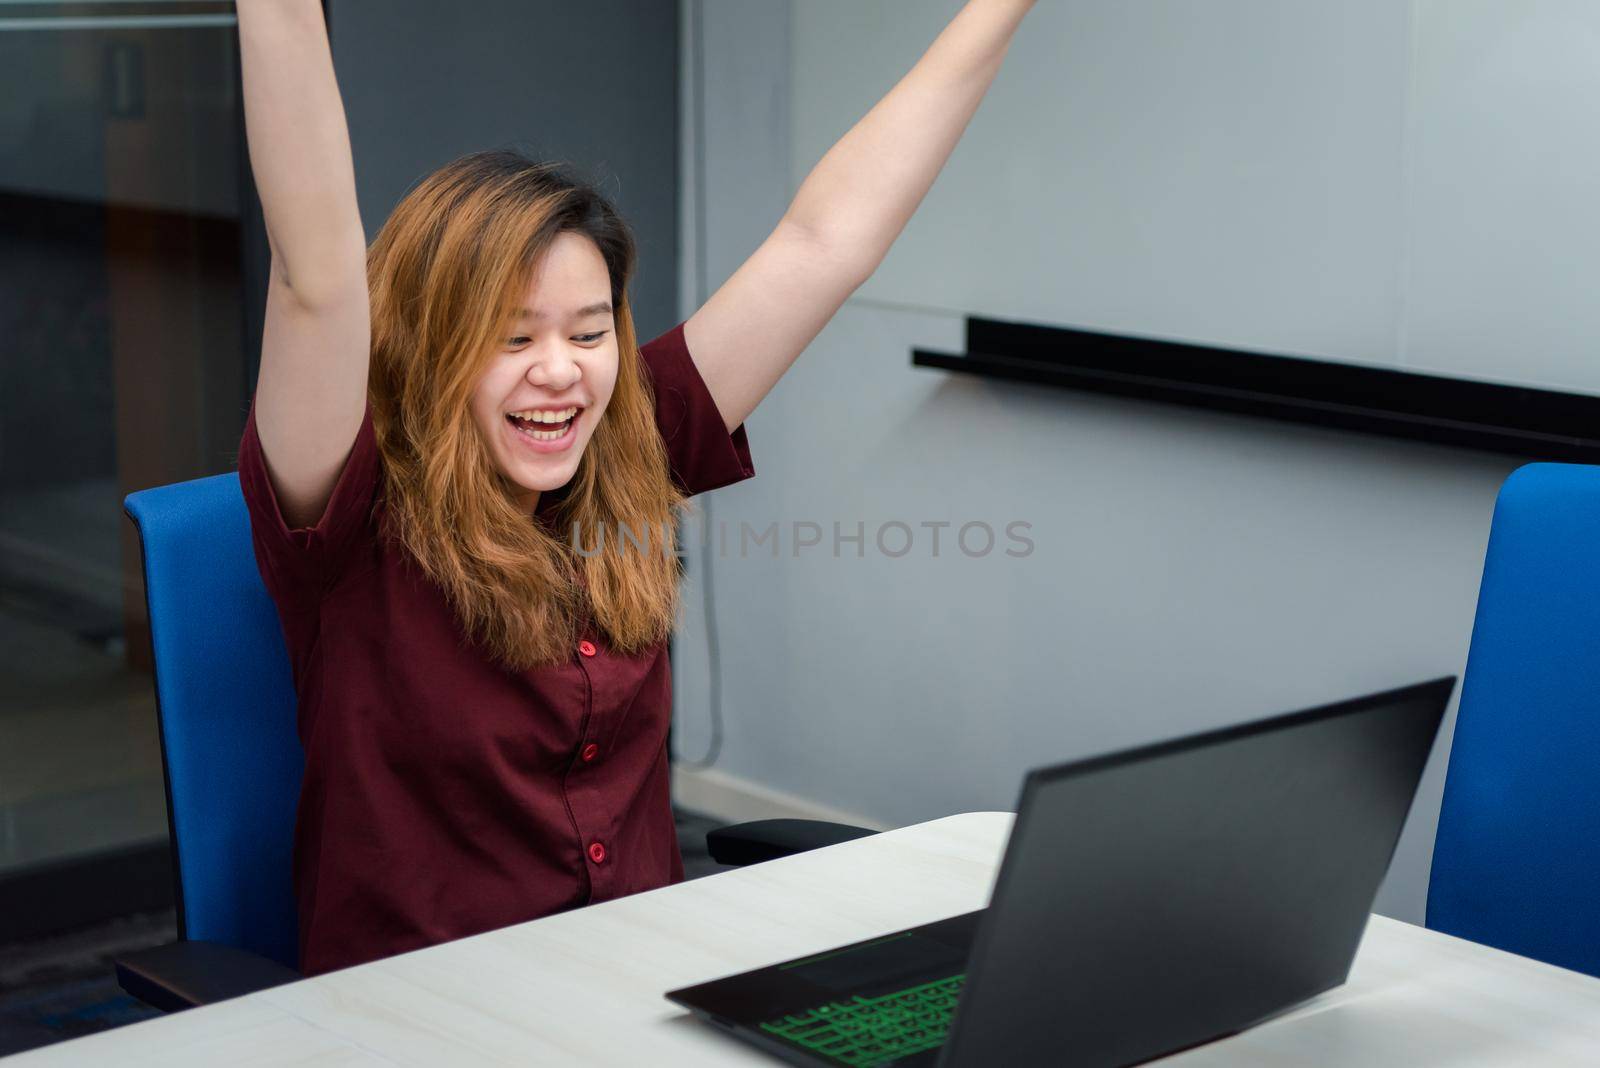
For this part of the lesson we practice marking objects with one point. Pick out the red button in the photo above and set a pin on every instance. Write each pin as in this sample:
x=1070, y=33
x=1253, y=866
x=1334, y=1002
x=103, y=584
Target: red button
x=597, y=852
x=586, y=647
x=589, y=752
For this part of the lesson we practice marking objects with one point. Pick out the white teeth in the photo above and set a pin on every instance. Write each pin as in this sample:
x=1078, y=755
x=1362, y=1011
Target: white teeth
x=545, y=415
x=555, y=417
x=544, y=435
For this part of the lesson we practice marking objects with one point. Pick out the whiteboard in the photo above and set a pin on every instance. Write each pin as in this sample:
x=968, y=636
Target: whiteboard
x=1410, y=184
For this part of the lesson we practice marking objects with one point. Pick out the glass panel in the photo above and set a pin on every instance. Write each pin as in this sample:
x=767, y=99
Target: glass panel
x=123, y=367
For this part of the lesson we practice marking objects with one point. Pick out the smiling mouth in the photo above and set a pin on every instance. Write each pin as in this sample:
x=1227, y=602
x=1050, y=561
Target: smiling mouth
x=543, y=429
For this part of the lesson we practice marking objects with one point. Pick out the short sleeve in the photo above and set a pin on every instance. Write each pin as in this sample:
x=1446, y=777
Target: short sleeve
x=298, y=565
x=703, y=455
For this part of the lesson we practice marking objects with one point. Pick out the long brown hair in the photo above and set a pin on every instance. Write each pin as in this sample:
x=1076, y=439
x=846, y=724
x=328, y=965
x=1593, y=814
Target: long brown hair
x=456, y=253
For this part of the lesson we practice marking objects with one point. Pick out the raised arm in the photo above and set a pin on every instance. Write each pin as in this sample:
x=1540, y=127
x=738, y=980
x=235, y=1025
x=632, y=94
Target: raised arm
x=311, y=394
x=847, y=213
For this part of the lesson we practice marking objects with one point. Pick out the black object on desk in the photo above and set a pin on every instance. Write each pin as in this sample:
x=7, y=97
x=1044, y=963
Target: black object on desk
x=1148, y=901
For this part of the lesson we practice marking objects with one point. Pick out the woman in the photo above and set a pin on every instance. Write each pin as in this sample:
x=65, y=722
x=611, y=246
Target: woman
x=484, y=701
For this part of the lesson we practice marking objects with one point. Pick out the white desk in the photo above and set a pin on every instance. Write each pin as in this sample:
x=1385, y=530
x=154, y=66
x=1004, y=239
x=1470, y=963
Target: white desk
x=584, y=987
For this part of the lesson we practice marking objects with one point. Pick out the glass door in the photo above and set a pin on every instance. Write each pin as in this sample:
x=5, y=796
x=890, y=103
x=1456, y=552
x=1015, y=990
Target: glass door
x=124, y=252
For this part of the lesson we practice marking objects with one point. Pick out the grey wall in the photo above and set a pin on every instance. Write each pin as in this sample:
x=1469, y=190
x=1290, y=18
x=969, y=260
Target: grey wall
x=594, y=84
x=1190, y=569
x=1400, y=182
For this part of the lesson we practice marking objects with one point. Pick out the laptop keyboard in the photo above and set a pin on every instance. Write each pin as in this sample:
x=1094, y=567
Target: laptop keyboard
x=866, y=1031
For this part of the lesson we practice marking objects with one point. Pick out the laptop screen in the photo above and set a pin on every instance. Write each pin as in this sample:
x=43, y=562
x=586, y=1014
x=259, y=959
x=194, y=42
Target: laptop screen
x=1158, y=897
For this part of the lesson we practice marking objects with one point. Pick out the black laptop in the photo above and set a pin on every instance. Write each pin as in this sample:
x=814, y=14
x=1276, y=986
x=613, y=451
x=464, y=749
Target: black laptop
x=1148, y=901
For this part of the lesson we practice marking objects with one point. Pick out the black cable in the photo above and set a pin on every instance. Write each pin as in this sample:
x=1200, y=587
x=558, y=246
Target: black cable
x=702, y=294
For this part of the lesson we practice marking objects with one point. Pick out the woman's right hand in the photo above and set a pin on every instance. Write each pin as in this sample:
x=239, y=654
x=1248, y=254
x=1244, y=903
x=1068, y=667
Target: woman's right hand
x=312, y=391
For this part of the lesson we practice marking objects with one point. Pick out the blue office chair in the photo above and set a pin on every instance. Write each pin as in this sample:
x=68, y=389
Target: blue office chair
x=226, y=708
x=1517, y=860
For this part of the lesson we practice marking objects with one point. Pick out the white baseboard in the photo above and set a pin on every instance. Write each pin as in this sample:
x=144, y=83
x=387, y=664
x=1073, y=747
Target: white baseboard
x=728, y=797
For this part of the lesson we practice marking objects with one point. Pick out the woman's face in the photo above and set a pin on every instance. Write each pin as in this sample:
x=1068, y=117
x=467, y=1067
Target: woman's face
x=552, y=372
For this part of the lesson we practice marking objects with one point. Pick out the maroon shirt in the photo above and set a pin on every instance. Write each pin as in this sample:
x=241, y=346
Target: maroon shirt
x=445, y=795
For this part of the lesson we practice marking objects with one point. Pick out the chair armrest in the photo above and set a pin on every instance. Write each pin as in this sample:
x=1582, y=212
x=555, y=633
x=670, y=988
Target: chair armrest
x=759, y=840
x=181, y=975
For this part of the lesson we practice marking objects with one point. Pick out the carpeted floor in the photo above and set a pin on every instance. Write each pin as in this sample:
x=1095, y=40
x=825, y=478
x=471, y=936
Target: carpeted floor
x=61, y=987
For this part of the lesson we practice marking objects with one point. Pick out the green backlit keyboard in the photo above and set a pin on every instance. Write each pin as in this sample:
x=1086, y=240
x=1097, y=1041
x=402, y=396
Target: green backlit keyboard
x=864, y=1031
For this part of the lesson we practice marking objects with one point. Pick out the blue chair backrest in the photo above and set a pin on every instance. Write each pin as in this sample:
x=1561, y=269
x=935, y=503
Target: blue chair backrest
x=227, y=712
x=1517, y=861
